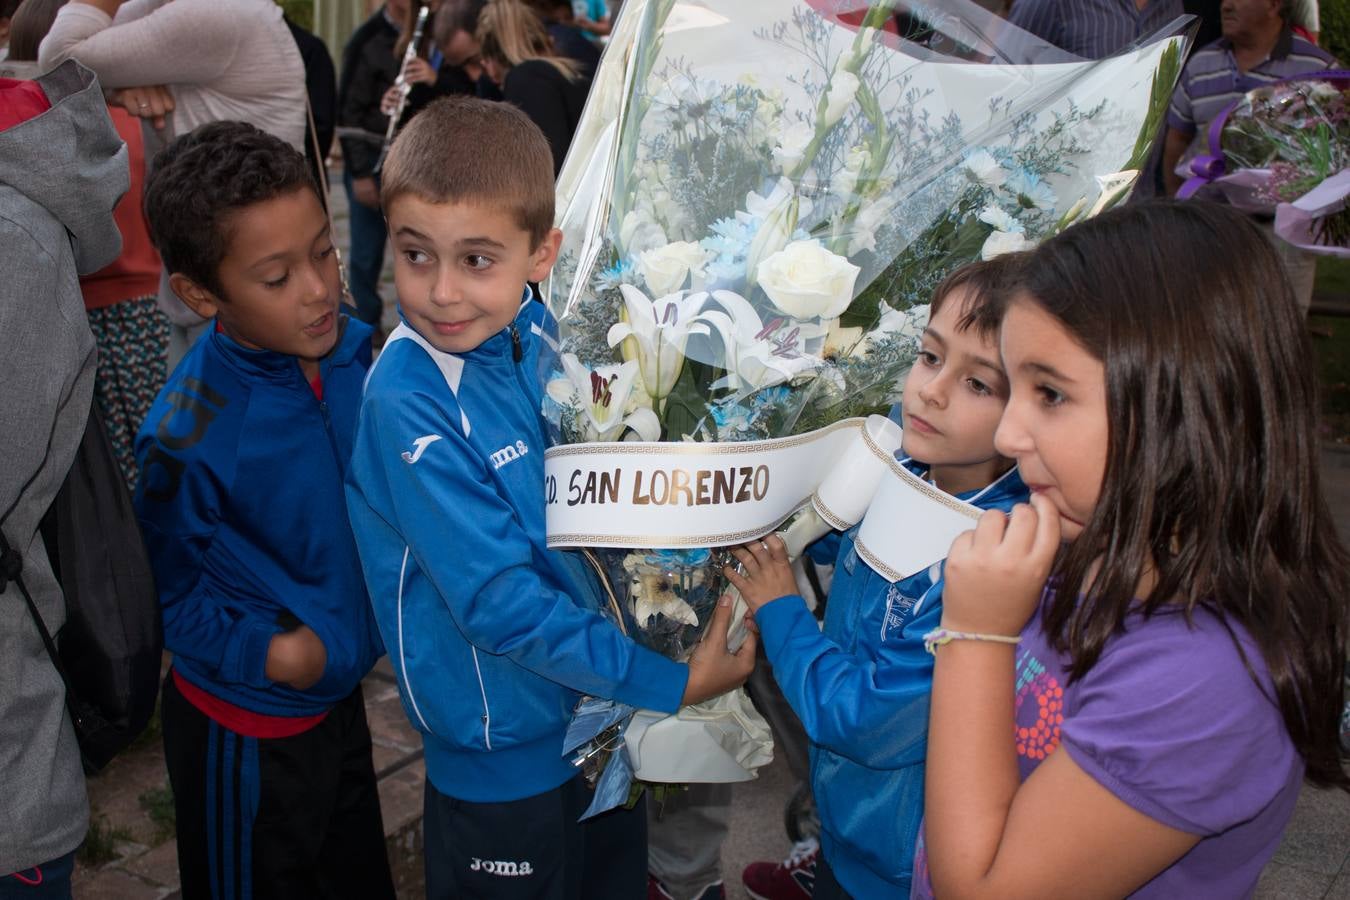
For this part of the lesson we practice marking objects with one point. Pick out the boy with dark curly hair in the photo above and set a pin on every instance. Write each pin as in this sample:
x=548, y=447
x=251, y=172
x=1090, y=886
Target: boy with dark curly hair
x=241, y=502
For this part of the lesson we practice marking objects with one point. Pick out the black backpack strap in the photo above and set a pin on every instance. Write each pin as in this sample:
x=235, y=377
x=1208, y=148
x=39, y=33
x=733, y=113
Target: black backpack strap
x=11, y=571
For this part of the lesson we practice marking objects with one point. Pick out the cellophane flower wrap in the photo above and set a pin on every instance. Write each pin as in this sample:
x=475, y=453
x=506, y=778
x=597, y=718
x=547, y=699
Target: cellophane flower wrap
x=757, y=206
x=1286, y=152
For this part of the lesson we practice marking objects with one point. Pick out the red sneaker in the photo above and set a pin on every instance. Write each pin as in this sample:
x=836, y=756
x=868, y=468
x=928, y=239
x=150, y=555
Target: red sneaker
x=792, y=879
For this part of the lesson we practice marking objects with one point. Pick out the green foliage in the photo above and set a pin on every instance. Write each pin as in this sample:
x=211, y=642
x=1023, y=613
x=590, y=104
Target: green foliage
x=301, y=12
x=158, y=804
x=1335, y=36
x=100, y=842
x=910, y=279
x=1160, y=95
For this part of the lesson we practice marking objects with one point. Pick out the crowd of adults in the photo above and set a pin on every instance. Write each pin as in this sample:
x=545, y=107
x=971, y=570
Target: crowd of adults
x=167, y=68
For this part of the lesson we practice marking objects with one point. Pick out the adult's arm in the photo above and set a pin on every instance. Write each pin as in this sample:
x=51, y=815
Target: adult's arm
x=149, y=41
x=360, y=108
x=1174, y=145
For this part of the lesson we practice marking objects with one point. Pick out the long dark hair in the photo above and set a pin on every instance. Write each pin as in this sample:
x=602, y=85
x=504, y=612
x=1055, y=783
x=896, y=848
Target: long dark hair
x=1212, y=477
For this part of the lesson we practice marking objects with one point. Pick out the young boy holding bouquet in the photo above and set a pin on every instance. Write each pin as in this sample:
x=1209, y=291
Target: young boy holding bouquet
x=492, y=635
x=862, y=687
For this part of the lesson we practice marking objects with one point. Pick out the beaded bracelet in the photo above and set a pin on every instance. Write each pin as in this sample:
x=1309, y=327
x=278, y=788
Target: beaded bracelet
x=939, y=636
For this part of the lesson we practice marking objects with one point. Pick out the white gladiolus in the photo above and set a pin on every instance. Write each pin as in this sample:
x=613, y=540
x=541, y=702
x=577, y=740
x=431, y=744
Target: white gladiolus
x=843, y=89
x=862, y=233
x=806, y=281
x=845, y=180
x=792, y=144
x=1113, y=187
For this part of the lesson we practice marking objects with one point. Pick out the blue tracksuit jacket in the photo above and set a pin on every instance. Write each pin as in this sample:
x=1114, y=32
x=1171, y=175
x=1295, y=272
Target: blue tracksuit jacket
x=861, y=689
x=491, y=634
x=241, y=504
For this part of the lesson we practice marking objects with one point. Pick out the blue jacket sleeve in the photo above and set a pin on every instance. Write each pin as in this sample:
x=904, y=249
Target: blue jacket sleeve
x=470, y=544
x=223, y=637
x=874, y=713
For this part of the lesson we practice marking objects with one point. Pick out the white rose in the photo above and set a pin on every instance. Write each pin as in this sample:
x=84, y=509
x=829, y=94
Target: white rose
x=806, y=281
x=792, y=144
x=1001, y=242
x=639, y=232
x=843, y=88
x=665, y=268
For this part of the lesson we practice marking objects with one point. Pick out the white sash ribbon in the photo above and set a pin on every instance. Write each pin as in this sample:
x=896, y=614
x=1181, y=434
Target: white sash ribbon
x=685, y=495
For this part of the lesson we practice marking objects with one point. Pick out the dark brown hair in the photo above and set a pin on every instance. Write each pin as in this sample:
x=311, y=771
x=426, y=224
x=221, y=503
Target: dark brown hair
x=506, y=163
x=1212, y=478
x=200, y=181
x=456, y=15
x=986, y=284
x=29, y=25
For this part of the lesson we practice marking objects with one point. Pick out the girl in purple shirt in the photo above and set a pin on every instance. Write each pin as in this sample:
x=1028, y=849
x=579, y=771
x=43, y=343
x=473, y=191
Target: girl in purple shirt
x=1179, y=676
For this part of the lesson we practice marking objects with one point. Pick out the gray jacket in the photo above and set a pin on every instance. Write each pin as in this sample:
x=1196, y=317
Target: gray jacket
x=61, y=173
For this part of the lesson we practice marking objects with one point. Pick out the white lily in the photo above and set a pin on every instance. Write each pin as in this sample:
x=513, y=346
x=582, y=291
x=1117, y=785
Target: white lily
x=653, y=595
x=654, y=333
x=607, y=399
x=760, y=354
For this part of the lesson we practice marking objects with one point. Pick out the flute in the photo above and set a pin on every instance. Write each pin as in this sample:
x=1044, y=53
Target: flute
x=402, y=85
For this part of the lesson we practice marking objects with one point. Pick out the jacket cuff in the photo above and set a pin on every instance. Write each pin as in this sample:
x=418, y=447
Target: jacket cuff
x=779, y=619
x=656, y=683
x=245, y=660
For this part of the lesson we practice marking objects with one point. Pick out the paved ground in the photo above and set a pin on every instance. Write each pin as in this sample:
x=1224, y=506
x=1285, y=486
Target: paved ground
x=128, y=798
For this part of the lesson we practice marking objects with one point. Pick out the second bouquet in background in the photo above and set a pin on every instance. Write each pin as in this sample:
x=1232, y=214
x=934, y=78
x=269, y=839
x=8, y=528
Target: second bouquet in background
x=759, y=201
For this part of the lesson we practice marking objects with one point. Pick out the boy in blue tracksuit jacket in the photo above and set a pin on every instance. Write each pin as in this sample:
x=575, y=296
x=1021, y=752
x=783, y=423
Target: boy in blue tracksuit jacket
x=243, y=456
x=492, y=636
x=862, y=687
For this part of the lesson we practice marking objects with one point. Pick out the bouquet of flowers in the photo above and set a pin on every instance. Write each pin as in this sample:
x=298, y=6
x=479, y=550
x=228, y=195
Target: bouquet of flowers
x=1284, y=149
x=758, y=203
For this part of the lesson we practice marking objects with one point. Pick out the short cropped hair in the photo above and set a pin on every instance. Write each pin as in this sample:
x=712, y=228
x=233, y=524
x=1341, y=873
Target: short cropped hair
x=987, y=284
x=200, y=179
x=466, y=150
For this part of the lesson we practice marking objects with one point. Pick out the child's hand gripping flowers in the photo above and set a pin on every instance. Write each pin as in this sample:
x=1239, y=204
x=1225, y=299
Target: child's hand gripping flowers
x=767, y=572
x=712, y=669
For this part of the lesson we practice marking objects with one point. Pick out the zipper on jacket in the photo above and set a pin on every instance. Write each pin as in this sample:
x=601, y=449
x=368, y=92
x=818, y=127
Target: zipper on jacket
x=517, y=352
x=486, y=717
